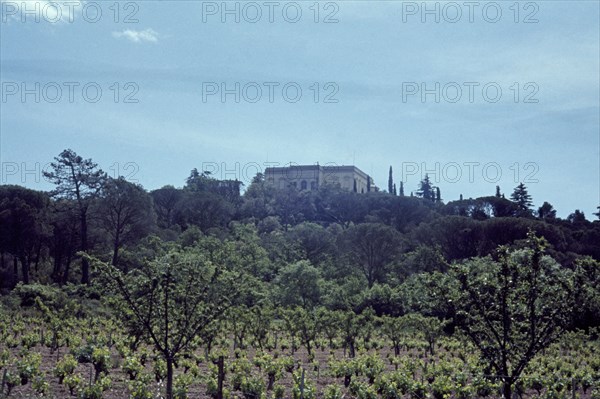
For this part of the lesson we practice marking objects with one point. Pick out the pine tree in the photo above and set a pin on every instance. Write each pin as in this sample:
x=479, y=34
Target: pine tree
x=401, y=189
x=523, y=200
x=438, y=195
x=390, y=182
x=395, y=192
x=426, y=189
x=461, y=197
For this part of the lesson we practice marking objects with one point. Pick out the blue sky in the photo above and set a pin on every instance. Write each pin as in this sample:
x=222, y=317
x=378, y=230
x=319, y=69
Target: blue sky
x=374, y=62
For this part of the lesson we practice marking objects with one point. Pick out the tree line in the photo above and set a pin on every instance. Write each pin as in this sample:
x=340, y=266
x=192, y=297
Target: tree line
x=41, y=233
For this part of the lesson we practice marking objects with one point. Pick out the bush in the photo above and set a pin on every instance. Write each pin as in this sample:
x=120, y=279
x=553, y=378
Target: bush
x=181, y=386
x=332, y=392
x=101, y=361
x=66, y=366
x=29, y=366
x=140, y=388
x=132, y=367
x=73, y=382
x=52, y=296
x=253, y=388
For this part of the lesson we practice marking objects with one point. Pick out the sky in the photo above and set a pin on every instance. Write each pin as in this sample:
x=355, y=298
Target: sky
x=475, y=94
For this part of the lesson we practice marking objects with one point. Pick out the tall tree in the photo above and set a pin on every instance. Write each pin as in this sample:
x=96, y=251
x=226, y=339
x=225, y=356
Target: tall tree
x=521, y=197
x=165, y=201
x=514, y=308
x=401, y=192
x=390, y=182
x=125, y=213
x=546, y=211
x=371, y=247
x=64, y=242
x=438, y=195
x=79, y=180
x=368, y=184
x=425, y=190
x=395, y=192
x=498, y=195
x=23, y=226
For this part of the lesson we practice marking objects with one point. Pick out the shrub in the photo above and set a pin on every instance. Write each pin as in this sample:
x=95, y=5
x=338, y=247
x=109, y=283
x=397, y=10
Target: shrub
x=132, y=367
x=29, y=366
x=101, y=361
x=253, y=388
x=64, y=367
x=73, y=382
x=332, y=392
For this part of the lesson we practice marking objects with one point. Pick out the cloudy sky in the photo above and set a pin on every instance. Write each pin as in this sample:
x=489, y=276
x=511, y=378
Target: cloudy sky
x=477, y=94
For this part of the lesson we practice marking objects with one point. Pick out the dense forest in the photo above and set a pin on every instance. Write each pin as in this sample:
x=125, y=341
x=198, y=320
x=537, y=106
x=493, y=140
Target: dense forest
x=285, y=293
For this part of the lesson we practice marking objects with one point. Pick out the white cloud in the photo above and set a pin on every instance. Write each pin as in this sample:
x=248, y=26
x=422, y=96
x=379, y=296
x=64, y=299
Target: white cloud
x=137, y=36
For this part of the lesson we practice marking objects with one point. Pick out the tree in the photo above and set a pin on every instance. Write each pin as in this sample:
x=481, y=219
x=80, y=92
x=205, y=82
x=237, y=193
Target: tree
x=577, y=217
x=300, y=284
x=425, y=190
x=546, y=211
x=368, y=184
x=395, y=192
x=598, y=213
x=165, y=203
x=521, y=197
x=372, y=246
x=514, y=307
x=173, y=299
x=498, y=195
x=64, y=242
x=313, y=241
x=125, y=213
x=79, y=180
x=401, y=192
x=438, y=195
x=390, y=182
x=23, y=226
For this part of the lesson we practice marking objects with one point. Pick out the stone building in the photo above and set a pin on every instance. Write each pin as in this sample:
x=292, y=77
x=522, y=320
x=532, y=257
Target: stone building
x=311, y=177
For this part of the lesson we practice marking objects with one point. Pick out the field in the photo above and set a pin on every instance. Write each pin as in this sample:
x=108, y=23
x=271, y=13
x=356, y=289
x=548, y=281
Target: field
x=87, y=358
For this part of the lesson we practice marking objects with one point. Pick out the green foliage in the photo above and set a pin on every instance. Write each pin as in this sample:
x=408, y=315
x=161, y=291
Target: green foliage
x=101, y=361
x=182, y=386
x=51, y=296
x=73, y=382
x=65, y=367
x=132, y=367
x=29, y=366
x=332, y=392
x=299, y=284
x=514, y=308
x=253, y=388
x=139, y=388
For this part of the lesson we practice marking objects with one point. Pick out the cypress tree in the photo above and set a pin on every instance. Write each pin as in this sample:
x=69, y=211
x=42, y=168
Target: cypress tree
x=390, y=182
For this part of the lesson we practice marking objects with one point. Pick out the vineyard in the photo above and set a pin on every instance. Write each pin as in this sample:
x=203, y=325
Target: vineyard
x=329, y=355
x=200, y=292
